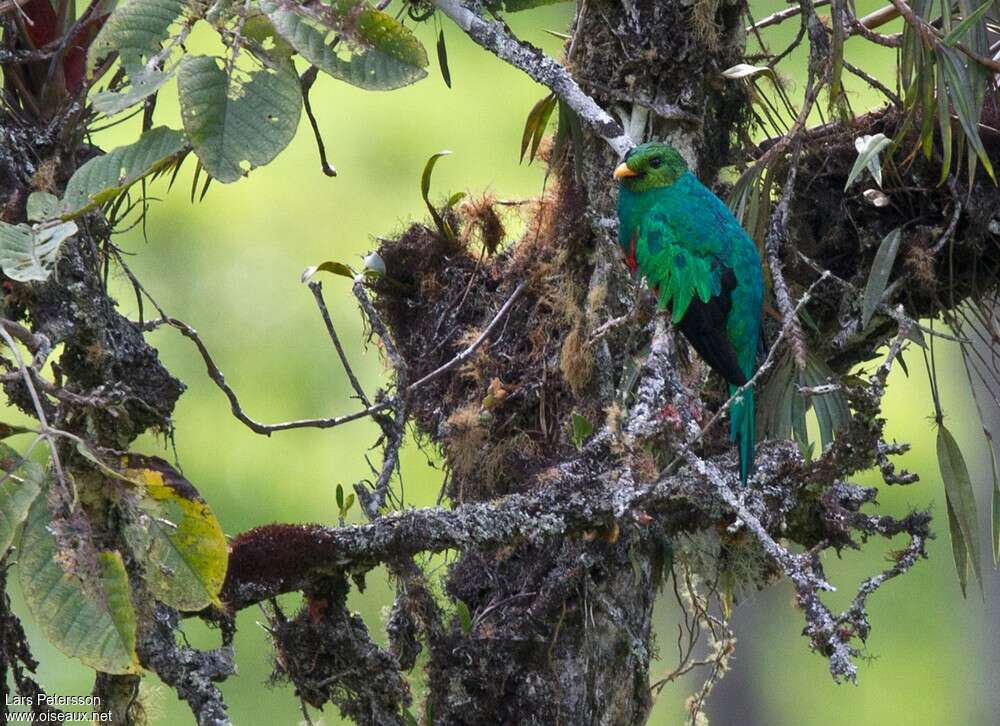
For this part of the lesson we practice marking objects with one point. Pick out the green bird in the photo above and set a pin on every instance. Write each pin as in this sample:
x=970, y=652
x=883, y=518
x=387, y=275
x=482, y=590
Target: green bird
x=700, y=263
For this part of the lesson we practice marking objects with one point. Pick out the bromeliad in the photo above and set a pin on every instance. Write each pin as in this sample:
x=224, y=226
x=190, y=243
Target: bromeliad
x=700, y=263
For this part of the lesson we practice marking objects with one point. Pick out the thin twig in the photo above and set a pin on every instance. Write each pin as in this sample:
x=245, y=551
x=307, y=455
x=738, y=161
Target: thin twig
x=467, y=353
x=317, y=291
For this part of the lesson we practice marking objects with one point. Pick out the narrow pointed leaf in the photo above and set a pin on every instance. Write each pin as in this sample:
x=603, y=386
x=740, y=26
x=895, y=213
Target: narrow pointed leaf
x=425, y=190
x=995, y=520
x=878, y=278
x=869, y=148
x=958, y=32
x=961, y=499
x=963, y=98
x=959, y=549
x=442, y=54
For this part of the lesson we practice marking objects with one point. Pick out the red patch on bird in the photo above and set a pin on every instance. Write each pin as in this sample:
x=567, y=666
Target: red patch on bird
x=632, y=263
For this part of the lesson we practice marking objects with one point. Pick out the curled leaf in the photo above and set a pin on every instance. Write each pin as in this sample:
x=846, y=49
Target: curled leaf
x=335, y=268
x=425, y=189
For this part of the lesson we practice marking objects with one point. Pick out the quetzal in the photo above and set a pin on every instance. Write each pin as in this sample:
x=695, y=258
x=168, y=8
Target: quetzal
x=700, y=263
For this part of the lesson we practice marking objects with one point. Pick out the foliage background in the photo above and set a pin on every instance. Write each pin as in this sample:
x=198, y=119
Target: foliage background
x=229, y=266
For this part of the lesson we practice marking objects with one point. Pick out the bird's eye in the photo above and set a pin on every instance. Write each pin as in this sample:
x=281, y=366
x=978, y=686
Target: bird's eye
x=655, y=162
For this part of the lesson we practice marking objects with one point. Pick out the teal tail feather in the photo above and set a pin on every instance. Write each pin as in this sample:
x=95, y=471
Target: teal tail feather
x=742, y=430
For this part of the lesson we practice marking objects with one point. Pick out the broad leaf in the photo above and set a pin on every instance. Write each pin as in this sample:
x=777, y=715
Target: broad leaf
x=236, y=125
x=42, y=206
x=105, y=177
x=878, y=278
x=352, y=41
x=143, y=82
x=78, y=597
x=961, y=499
x=176, y=536
x=136, y=30
x=29, y=252
x=581, y=429
x=22, y=482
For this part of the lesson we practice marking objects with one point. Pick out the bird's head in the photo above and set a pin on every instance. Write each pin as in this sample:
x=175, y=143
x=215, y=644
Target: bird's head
x=650, y=166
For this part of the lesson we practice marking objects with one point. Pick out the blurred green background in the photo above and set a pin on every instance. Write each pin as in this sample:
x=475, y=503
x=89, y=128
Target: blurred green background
x=230, y=267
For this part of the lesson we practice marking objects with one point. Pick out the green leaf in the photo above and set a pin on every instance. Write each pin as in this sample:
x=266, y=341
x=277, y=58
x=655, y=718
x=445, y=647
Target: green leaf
x=143, y=82
x=176, y=536
x=869, y=148
x=995, y=521
x=42, y=206
x=105, y=177
x=339, y=496
x=236, y=125
x=464, y=617
x=114, y=580
x=334, y=268
x=963, y=98
x=535, y=125
x=956, y=33
x=581, y=429
x=425, y=190
x=78, y=597
x=352, y=41
x=944, y=124
x=136, y=30
x=878, y=278
x=30, y=252
x=22, y=484
x=959, y=550
x=961, y=499
x=442, y=54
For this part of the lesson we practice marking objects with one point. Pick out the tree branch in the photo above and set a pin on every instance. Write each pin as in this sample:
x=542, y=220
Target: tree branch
x=493, y=36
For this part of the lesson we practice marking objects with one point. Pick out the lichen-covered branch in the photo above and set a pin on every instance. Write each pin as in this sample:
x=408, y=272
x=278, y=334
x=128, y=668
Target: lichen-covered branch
x=494, y=37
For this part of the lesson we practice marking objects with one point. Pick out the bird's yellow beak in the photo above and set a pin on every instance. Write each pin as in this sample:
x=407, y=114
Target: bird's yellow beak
x=622, y=171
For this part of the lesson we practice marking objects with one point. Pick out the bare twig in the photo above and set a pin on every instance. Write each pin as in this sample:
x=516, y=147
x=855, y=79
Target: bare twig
x=467, y=353
x=317, y=291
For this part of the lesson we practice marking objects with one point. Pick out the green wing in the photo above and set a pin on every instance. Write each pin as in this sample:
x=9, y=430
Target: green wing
x=676, y=273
